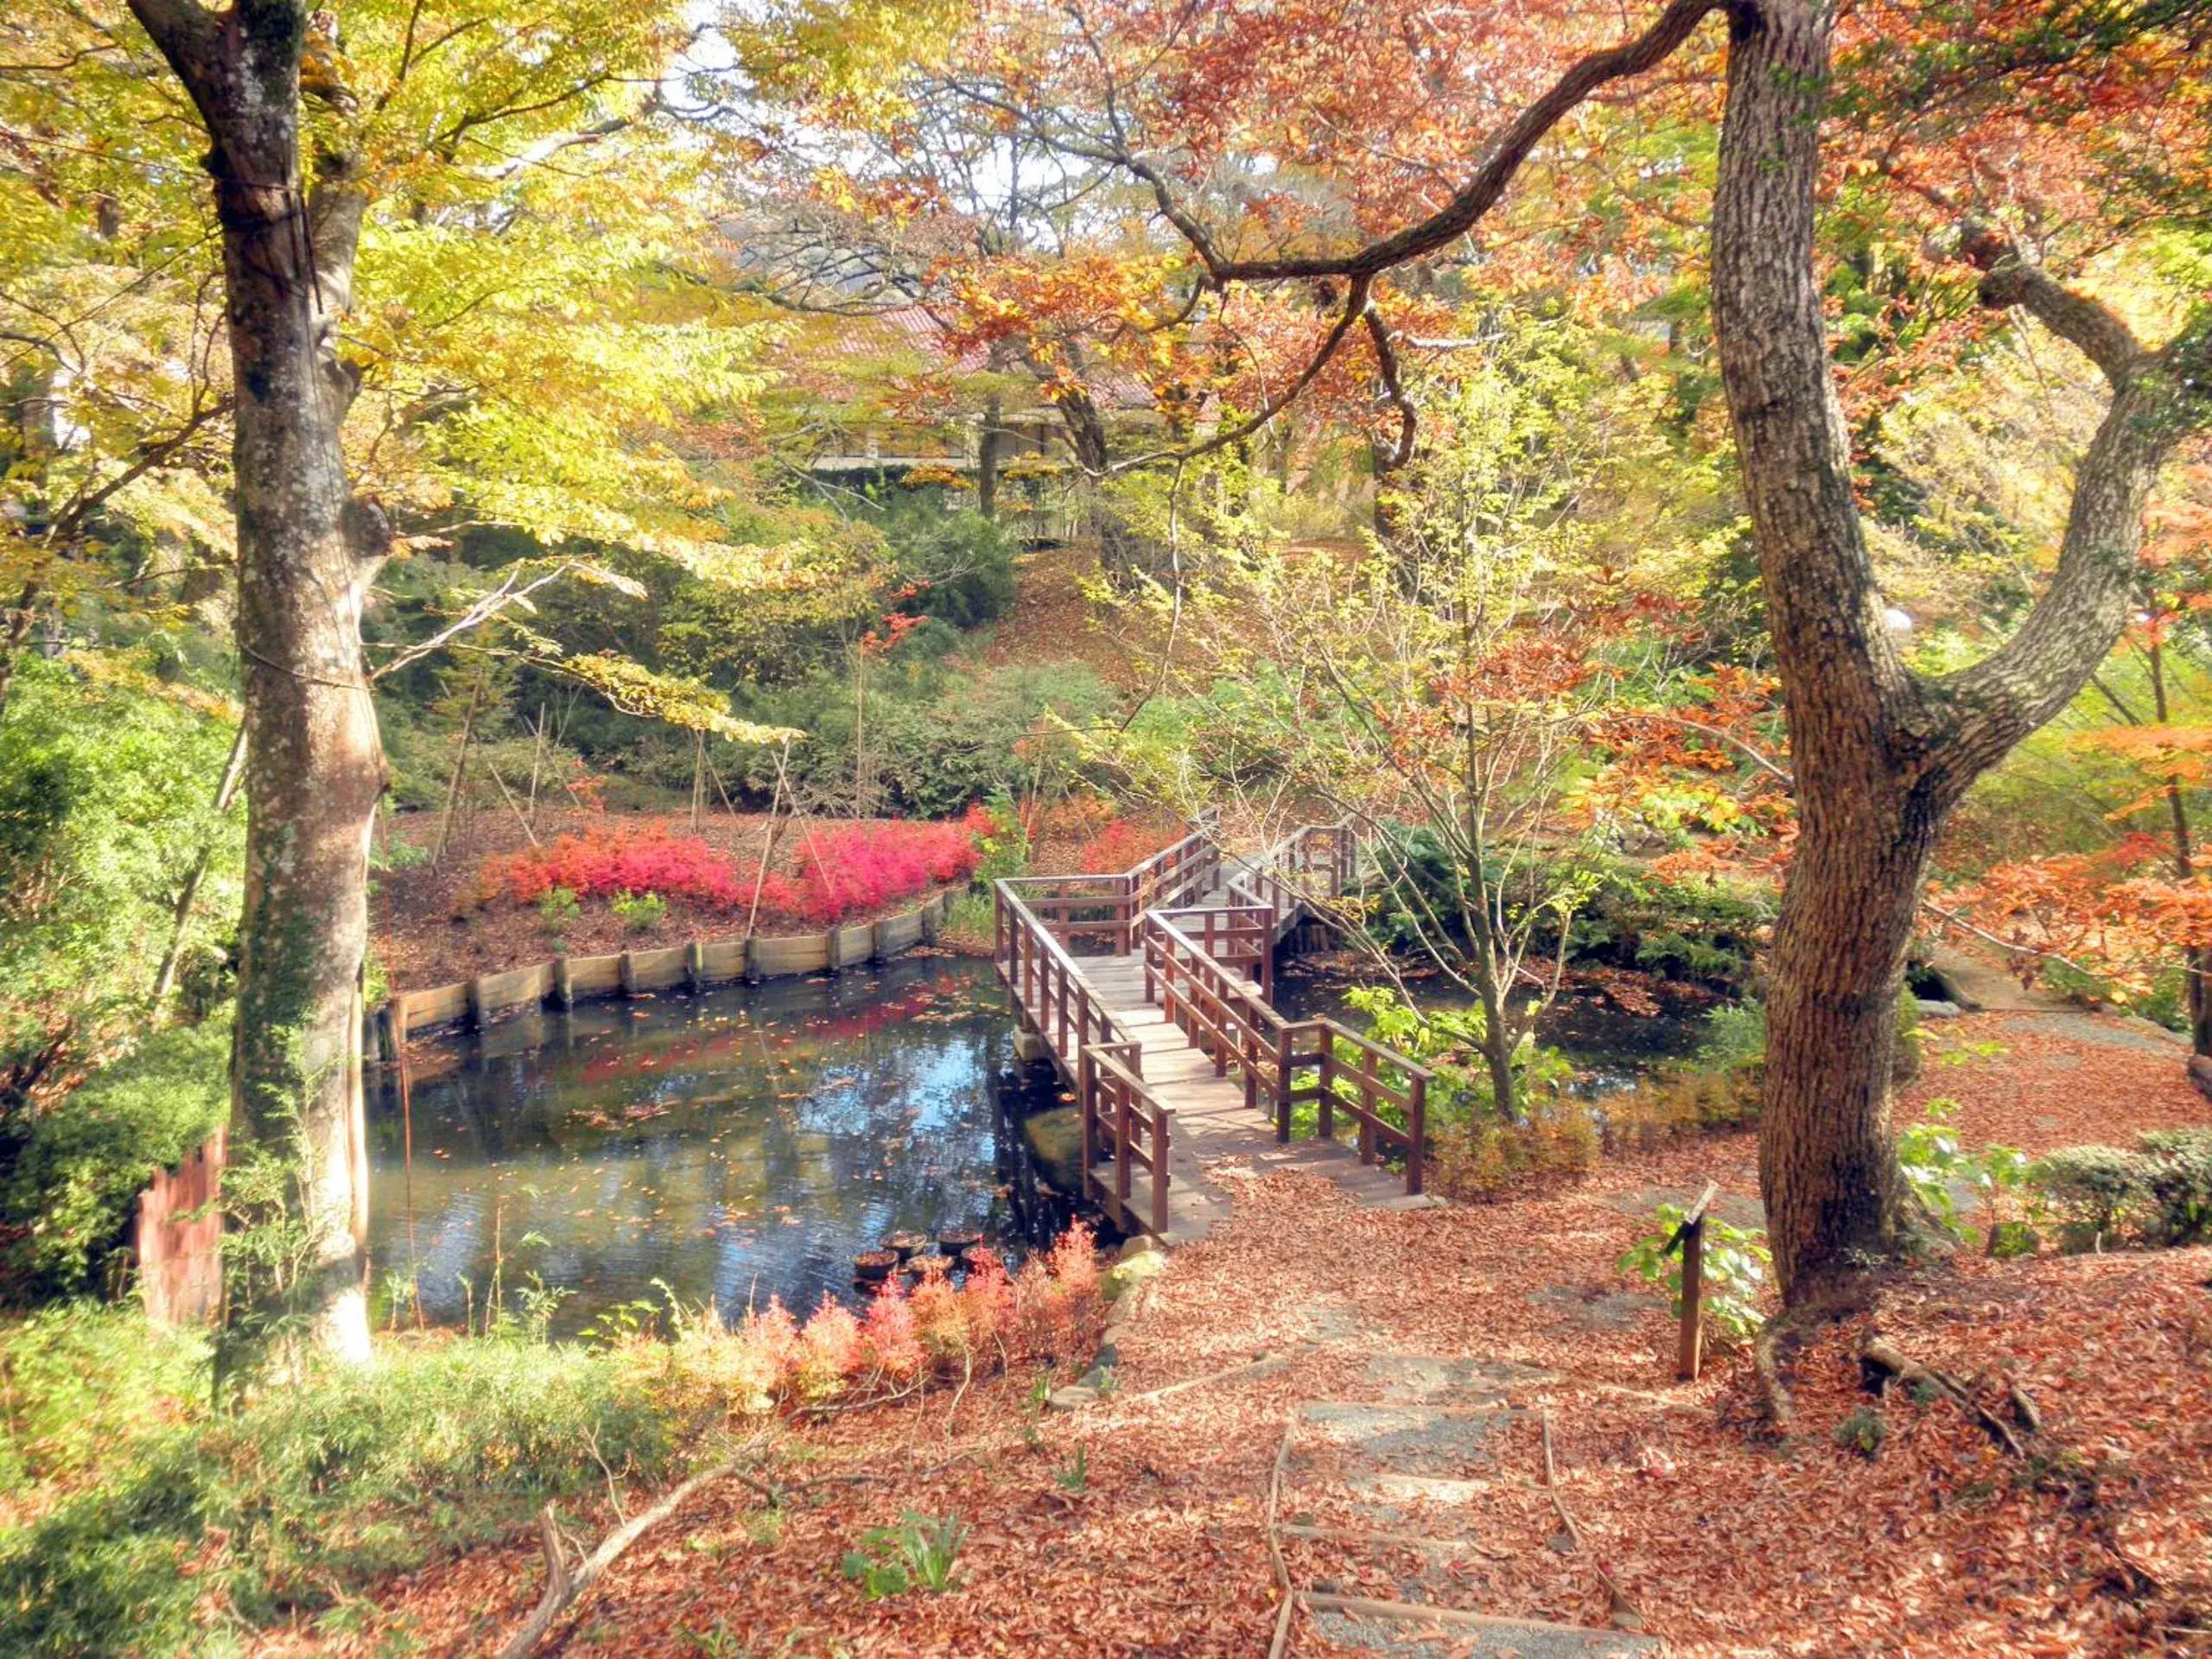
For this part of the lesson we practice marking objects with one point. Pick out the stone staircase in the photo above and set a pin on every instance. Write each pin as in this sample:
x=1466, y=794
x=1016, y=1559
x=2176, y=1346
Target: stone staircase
x=1377, y=1506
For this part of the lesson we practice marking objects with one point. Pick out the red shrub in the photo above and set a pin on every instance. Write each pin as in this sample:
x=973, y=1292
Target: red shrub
x=841, y=870
x=893, y=1345
x=864, y=866
x=1118, y=845
x=603, y=861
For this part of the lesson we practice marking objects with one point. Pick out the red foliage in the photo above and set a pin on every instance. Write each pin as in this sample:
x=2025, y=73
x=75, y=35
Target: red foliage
x=602, y=861
x=1118, y=845
x=863, y=866
x=842, y=871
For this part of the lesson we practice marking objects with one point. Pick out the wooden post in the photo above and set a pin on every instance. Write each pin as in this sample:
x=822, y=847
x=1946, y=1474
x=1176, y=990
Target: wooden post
x=477, y=1017
x=565, y=984
x=1282, y=1086
x=1326, y=1128
x=1367, y=1101
x=695, y=967
x=628, y=972
x=1086, y=1095
x=1417, y=1128
x=1689, y=1350
x=1121, y=1149
x=752, y=959
x=1158, y=1150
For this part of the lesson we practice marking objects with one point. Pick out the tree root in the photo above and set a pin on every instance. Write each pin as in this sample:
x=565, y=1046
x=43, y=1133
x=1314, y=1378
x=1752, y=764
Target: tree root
x=1781, y=1411
x=1885, y=1359
x=1836, y=1302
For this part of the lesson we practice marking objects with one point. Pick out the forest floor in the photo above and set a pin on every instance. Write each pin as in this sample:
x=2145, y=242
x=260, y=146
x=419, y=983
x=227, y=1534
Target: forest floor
x=1138, y=1526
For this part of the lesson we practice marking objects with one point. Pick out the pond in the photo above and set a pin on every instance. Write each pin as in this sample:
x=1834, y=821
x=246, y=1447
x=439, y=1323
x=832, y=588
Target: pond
x=746, y=1143
x=1612, y=1039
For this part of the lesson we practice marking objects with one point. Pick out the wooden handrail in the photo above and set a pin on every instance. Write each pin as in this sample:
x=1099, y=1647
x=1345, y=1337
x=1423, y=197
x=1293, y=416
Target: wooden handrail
x=1231, y=1022
x=1123, y=1117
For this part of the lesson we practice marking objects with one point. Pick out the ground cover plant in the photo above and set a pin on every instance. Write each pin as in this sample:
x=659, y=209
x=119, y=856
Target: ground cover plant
x=144, y=1522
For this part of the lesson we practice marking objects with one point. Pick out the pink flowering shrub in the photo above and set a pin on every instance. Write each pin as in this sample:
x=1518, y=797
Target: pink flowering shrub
x=900, y=1339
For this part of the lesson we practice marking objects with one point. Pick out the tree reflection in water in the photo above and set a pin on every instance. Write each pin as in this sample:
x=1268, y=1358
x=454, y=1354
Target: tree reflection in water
x=746, y=1143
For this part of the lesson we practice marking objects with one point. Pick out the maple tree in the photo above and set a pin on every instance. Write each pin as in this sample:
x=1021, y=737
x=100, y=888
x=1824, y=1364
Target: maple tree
x=1280, y=146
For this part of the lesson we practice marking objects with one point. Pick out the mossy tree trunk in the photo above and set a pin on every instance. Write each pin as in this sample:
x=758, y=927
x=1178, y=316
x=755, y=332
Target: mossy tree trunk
x=307, y=552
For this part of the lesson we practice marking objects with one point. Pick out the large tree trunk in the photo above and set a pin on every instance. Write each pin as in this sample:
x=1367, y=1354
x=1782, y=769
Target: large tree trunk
x=1880, y=755
x=315, y=767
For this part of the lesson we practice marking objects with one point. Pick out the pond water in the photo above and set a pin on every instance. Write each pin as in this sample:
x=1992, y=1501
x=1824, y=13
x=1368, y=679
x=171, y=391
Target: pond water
x=1610, y=1046
x=745, y=1143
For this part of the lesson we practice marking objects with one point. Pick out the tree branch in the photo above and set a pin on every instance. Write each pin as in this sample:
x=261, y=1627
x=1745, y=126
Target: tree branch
x=2010, y=278
x=1512, y=147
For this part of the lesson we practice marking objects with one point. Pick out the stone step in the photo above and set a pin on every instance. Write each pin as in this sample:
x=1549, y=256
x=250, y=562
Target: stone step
x=1362, y=1629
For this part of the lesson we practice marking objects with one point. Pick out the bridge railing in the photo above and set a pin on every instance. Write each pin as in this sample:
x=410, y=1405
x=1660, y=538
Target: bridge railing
x=1076, y=908
x=1051, y=991
x=1285, y=1064
x=1241, y=936
x=1122, y=1120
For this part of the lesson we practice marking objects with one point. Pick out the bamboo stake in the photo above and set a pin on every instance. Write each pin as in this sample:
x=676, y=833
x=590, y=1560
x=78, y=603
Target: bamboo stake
x=460, y=766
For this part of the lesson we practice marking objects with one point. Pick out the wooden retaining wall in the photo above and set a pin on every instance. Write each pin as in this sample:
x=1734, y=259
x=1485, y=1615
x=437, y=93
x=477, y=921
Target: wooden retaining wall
x=566, y=981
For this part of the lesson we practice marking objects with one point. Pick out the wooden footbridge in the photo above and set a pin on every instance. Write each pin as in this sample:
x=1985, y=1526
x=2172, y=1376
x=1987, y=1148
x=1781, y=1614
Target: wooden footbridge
x=1151, y=992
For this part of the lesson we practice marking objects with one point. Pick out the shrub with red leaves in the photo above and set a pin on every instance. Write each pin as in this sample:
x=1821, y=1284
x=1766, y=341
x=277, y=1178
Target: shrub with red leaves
x=1118, y=845
x=842, y=871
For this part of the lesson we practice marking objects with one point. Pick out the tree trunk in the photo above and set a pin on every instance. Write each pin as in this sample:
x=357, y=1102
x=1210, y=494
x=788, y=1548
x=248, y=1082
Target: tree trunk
x=1879, y=755
x=986, y=461
x=315, y=767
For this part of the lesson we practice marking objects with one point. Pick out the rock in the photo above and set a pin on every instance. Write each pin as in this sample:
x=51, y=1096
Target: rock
x=1142, y=1244
x=2200, y=1073
x=1108, y=1358
x=1074, y=1397
x=1099, y=1379
x=1936, y=1008
x=1125, y=1276
x=1055, y=1138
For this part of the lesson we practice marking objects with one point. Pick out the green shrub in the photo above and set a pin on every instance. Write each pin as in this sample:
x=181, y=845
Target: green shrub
x=639, y=913
x=2096, y=1191
x=72, y=1170
x=83, y=1385
x=558, y=911
x=959, y=565
x=316, y=1488
x=1862, y=1431
x=2176, y=1179
x=1734, y=1266
x=1934, y=1167
x=918, y=1554
x=1735, y=1037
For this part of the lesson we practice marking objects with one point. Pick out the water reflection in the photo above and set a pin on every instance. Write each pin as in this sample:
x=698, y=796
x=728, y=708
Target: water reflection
x=746, y=1143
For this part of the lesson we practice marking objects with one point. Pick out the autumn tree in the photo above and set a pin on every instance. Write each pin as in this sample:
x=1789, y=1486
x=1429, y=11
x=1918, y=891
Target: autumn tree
x=1952, y=125
x=423, y=119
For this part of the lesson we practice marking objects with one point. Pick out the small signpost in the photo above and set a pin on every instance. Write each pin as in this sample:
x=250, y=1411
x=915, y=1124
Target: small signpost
x=1689, y=1237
